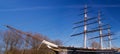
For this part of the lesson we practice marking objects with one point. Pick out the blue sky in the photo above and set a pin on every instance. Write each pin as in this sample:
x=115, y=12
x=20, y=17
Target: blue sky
x=54, y=18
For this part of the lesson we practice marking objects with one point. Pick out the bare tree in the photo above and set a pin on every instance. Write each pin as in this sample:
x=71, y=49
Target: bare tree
x=16, y=43
x=95, y=44
x=58, y=42
x=12, y=41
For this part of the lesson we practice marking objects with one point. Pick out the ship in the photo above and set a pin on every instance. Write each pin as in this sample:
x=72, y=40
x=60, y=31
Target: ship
x=99, y=27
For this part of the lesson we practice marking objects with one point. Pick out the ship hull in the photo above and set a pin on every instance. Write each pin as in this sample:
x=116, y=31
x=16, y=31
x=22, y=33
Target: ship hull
x=72, y=50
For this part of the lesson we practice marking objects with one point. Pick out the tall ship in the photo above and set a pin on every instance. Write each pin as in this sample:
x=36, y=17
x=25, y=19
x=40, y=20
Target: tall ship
x=89, y=25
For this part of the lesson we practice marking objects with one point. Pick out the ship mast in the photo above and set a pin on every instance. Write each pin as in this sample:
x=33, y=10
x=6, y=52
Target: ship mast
x=109, y=37
x=85, y=26
x=100, y=31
